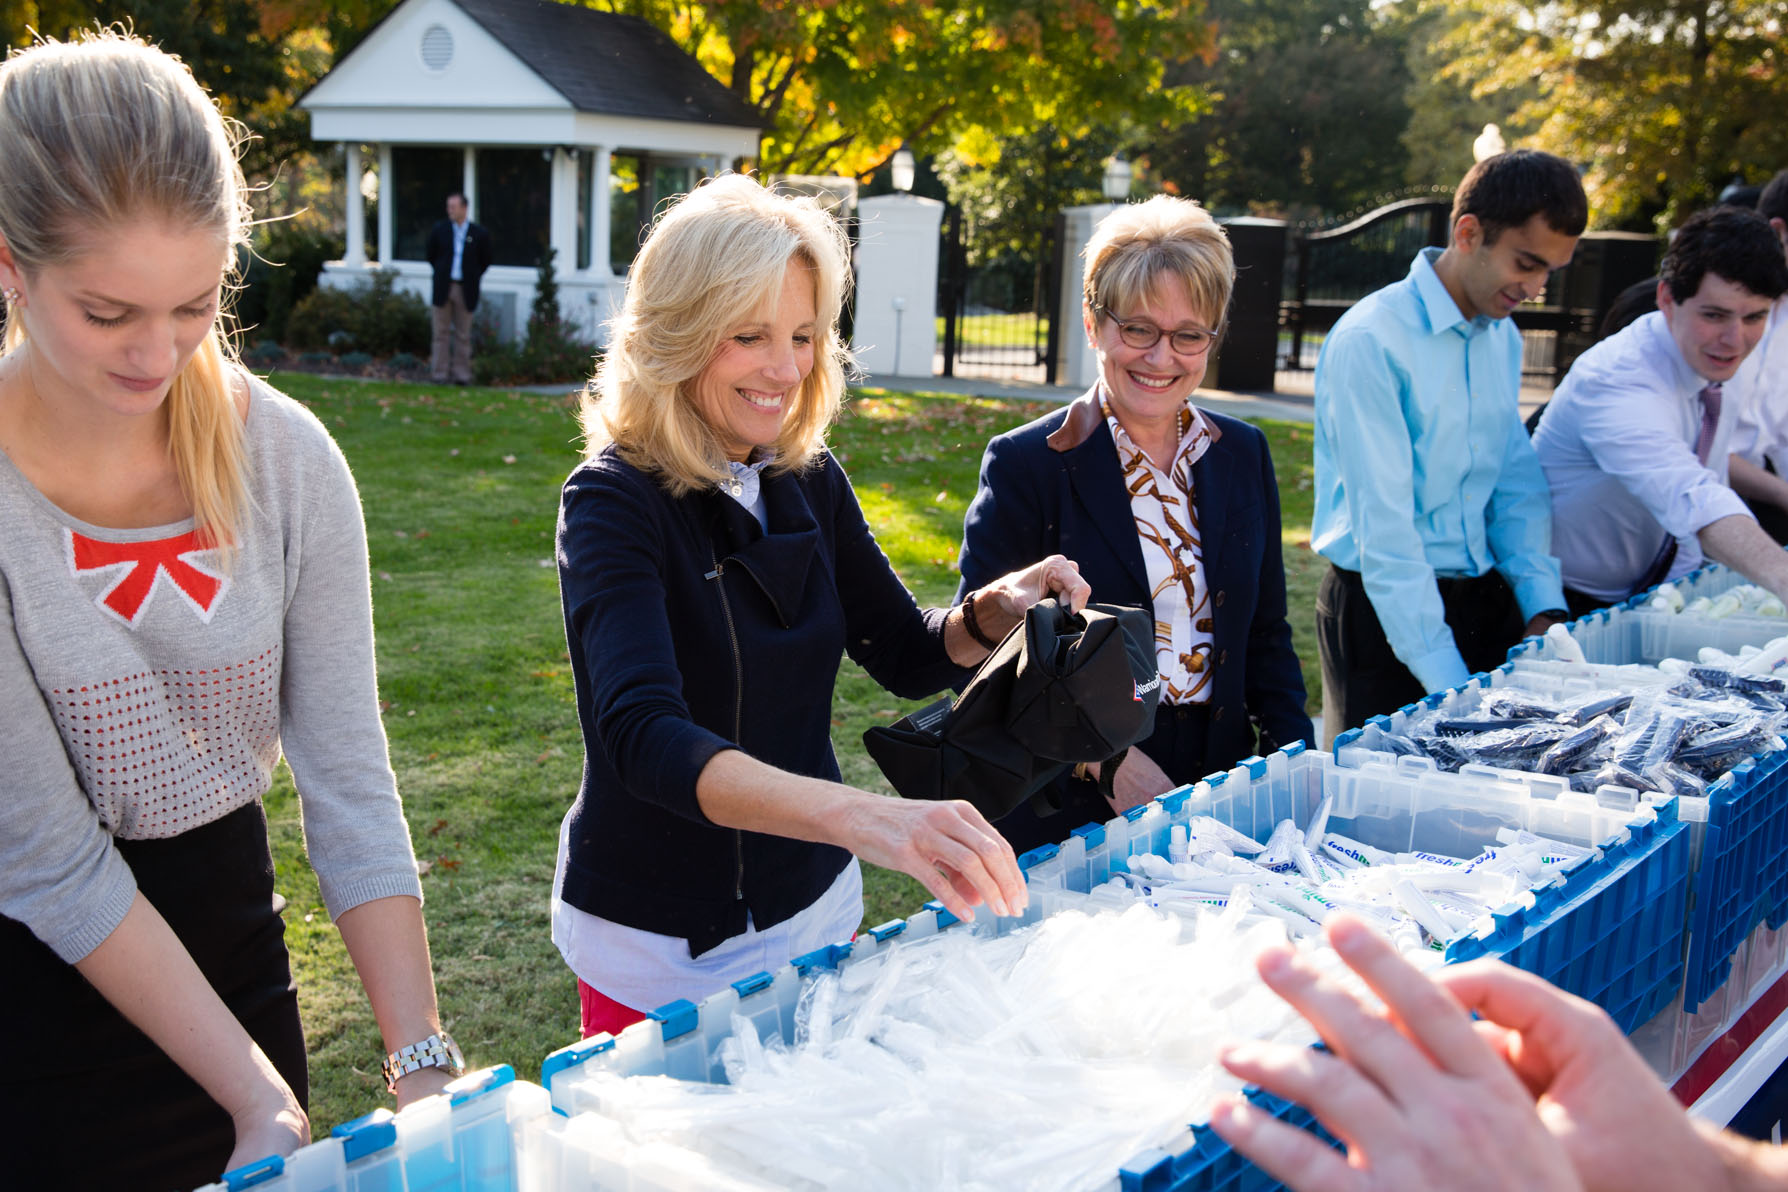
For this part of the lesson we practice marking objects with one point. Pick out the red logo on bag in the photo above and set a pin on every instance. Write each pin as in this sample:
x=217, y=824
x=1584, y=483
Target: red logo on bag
x=141, y=566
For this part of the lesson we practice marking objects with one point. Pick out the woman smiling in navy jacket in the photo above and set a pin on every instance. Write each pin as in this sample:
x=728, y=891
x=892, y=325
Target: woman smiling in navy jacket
x=714, y=567
x=1163, y=506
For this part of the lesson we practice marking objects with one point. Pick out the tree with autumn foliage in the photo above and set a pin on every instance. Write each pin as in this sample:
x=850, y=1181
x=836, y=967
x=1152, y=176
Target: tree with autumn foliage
x=1661, y=102
x=840, y=84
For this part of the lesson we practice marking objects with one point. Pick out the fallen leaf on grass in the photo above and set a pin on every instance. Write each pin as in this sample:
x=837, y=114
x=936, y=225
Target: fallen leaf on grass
x=422, y=868
x=447, y=863
x=439, y=824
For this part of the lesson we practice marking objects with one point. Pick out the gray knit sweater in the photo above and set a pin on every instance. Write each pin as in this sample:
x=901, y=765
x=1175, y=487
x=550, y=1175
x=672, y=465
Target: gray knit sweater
x=144, y=691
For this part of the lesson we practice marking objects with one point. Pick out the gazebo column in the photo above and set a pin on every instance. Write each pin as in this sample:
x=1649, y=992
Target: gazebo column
x=355, y=255
x=469, y=182
x=598, y=214
x=387, y=206
x=562, y=219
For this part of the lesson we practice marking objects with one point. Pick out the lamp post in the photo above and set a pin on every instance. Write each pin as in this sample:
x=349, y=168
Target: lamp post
x=1116, y=183
x=901, y=169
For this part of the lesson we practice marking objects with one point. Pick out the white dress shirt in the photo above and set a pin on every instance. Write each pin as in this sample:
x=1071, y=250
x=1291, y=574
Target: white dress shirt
x=1618, y=447
x=1762, y=430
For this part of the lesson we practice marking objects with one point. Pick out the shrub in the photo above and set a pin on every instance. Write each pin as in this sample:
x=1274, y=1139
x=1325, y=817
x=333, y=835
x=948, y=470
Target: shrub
x=375, y=318
x=550, y=353
x=404, y=362
x=356, y=361
x=265, y=354
x=315, y=359
x=281, y=271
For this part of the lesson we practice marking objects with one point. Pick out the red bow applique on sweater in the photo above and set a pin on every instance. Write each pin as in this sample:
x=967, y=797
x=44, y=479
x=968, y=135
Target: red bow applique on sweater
x=141, y=566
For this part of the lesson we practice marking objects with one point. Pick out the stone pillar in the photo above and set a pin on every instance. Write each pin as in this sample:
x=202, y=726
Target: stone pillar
x=1077, y=364
x=387, y=203
x=895, y=333
x=469, y=182
x=355, y=255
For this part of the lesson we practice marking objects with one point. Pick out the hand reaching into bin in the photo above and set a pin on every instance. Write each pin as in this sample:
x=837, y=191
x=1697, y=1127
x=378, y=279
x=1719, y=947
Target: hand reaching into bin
x=1542, y=1092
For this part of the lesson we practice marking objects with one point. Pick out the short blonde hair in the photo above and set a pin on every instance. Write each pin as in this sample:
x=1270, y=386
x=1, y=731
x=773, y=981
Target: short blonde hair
x=715, y=258
x=1141, y=247
x=93, y=133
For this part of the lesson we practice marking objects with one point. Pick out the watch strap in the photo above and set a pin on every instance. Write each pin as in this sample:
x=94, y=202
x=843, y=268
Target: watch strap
x=437, y=1051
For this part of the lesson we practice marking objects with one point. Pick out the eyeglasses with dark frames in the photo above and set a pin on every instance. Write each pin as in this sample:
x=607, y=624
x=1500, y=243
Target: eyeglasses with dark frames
x=1143, y=335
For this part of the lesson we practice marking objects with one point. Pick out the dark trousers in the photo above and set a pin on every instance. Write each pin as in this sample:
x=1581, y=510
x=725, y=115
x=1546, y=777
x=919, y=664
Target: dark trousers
x=1773, y=518
x=1177, y=745
x=86, y=1100
x=1363, y=678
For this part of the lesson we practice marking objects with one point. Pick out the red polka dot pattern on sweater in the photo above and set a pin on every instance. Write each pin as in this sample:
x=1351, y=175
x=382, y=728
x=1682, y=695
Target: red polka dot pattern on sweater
x=160, y=752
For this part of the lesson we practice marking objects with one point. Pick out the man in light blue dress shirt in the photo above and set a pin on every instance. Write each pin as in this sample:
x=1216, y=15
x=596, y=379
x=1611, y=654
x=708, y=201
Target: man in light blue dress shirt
x=1635, y=446
x=1430, y=504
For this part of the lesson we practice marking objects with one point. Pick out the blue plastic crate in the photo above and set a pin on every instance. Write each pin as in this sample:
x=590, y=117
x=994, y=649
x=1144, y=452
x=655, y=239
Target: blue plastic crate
x=462, y=1140
x=1740, y=871
x=1609, y=929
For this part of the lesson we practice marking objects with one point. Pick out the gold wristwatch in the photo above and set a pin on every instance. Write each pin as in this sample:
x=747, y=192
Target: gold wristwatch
x=437, y=1051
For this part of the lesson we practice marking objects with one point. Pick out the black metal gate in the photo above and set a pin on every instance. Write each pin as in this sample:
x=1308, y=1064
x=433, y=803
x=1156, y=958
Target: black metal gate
x=1332, y=270
x=998, y=314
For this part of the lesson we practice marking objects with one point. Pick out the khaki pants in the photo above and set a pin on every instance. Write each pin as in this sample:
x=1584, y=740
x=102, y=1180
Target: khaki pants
x=453, y=326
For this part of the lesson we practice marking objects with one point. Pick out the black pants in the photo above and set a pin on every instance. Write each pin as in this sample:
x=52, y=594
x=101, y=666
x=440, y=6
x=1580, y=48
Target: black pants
x=1581, y=604
x=86, y=1100
x=1361, y=675
x=1177, y=745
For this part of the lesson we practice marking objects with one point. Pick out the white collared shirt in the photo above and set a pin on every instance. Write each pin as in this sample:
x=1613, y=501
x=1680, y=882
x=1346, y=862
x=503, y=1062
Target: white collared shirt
x=1618, y=447
x=1166, y=514
x=1762, y=430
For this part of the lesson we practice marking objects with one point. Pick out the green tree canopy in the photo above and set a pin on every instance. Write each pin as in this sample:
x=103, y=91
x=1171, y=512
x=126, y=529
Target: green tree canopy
x=1307, y=108
x=1662, y=102
x=841, y=83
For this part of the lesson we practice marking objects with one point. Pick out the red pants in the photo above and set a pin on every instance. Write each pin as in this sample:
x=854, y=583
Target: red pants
x=604, y=1013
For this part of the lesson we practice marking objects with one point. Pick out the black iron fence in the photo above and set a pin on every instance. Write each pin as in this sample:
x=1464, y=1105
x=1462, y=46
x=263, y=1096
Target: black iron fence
x=1328, y=271
x=997, y=316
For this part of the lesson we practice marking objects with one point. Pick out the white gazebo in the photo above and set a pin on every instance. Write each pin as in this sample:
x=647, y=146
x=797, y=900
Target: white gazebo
x=564, y=127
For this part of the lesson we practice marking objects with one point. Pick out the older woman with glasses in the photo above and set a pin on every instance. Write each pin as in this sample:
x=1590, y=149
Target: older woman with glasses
x=1163, y=506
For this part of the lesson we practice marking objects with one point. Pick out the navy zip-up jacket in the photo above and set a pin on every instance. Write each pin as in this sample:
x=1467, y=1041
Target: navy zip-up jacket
x=693, y=630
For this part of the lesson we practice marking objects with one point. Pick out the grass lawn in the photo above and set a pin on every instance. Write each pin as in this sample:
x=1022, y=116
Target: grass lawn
x=460, y=491
x=998, y=331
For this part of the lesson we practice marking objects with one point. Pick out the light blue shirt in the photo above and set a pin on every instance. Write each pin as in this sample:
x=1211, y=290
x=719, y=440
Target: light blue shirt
x=1423, y=468
x=459, y=248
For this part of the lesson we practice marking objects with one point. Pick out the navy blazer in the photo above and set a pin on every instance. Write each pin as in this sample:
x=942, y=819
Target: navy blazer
x=1036, y=500
x=693, y=630
x=474, y=259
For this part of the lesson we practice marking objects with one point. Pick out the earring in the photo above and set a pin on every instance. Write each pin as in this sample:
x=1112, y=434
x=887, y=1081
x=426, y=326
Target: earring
x=12, y=296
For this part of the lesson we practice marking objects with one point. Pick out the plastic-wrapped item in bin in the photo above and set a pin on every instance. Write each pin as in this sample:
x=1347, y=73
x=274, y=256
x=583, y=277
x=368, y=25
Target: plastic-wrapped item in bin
x=1719, y=748
x=1510, y=746
x=1572, y=750
x=1586, y=708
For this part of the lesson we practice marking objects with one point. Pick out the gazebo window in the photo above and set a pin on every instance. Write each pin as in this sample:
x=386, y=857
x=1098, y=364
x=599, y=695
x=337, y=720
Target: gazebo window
x=515, y=203
x=424, y=175
x=586, y=181
x=627, y=210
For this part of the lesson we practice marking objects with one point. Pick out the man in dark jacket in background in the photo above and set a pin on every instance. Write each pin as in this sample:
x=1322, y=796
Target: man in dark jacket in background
x=459, y=251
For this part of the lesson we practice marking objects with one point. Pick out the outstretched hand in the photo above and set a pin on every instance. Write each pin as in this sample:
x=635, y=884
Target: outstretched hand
x=1420, y=1097
x=949, y=847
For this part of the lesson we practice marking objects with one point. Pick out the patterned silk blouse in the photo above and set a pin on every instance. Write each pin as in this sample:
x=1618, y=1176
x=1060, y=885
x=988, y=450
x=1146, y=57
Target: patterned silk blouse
x=1166, y=516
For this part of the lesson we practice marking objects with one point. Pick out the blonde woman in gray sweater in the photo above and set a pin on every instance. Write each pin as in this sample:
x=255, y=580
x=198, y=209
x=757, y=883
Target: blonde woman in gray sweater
x=183, y=597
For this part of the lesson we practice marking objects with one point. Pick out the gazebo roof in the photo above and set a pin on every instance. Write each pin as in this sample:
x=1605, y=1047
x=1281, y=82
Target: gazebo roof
x=513, y=72
x=609, y=63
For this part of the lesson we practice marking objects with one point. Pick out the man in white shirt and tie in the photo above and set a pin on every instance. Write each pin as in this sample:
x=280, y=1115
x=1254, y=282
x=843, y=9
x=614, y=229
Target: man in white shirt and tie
x=1760, y=440
x=1635, y=444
